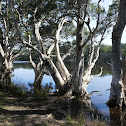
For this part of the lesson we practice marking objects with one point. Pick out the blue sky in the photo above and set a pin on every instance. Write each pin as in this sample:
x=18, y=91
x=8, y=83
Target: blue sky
x=108, y=40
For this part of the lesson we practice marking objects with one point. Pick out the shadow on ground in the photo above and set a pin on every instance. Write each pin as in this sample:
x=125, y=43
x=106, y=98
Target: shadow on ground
x=29, y=112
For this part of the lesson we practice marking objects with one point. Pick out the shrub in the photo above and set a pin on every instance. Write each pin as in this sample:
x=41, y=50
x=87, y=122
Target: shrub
x=15, y=90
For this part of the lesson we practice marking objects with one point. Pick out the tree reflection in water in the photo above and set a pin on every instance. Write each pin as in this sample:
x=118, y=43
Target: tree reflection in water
x=117, y=117
x=24, y=74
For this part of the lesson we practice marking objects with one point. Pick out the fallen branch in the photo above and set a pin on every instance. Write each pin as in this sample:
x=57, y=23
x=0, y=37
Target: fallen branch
x=94, y=92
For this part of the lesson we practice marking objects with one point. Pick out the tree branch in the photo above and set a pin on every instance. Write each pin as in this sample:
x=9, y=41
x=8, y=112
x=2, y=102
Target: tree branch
x=30, y=56
x=5, y=32
x=38, y=36
x=92, y=76
x=50, y=49
x=69, y=52
x=19, y=34
x=2, y=51
x=61, y=66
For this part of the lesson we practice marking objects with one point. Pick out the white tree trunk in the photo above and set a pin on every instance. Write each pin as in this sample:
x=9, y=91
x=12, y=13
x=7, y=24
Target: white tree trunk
x=60, y=64
x=117, y=94
x=6, y=65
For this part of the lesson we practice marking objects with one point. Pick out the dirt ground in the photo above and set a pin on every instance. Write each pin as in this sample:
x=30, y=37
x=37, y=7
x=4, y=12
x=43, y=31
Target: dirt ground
x=17, y=112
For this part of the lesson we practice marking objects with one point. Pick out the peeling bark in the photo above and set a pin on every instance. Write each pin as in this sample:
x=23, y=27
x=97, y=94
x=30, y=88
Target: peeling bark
x=124, y=73
x=39, y=72
x=6, y=50
x=77, y=87
x=5, y=63
x=117, y=94
x=77, y=83
x=79, y=68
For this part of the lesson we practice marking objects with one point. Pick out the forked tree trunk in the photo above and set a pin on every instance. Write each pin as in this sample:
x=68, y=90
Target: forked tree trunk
x=60, y=73
x=38, y=70
x=38, y=79
x=117, y=94
x=77, y=86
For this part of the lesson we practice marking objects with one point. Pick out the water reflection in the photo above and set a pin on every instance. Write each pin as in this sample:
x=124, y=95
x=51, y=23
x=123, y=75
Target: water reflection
x=100, y=84
x=24, y=74
x=118, y=117
x=22, y=64
x=106, y=70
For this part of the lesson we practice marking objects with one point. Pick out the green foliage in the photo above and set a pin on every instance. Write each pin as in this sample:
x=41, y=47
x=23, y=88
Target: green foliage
x=48, y=29
x=25, y=56
x=41, y=93
x=69, y=30
x=93, y=10
x=123, y=49
x=75, y=122
x=81, y=120
x=26, y=7
x=22, y=92
x=113, y=9
x=68, y=119
x=15, y=90
x=105, y=54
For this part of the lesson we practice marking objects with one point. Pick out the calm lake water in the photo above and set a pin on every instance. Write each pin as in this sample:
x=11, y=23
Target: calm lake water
x=24, y=74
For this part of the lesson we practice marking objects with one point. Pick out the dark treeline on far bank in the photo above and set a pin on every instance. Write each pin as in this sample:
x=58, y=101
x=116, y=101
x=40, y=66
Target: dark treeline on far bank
x=105, y=55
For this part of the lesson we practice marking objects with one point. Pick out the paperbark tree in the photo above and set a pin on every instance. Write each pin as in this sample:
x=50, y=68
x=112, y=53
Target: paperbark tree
x=117, y=91
x=76, y=83
x=39, y=73
x=7, y=54
x=82, y=75
x=37, y=67
x=4, y=66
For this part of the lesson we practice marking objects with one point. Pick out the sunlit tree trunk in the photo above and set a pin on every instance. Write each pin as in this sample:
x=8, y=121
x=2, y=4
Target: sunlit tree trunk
x=82, y=75
x=39, y=73
x=72, y=84
x=37, y=67
x=6, y=65
x=117, y=94
x=7, y=55
x=77, y=87
x=60, y=64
